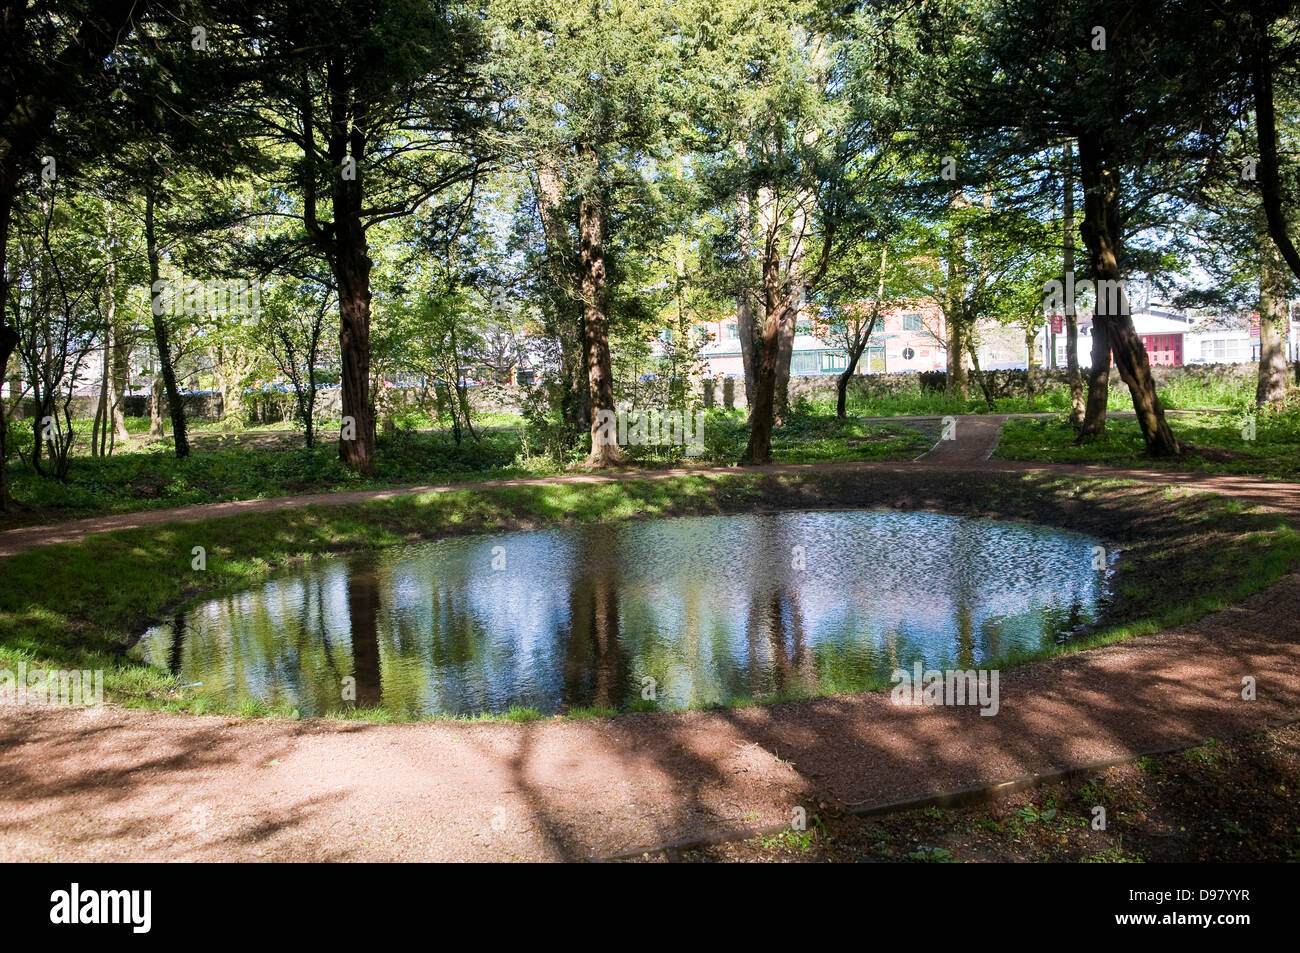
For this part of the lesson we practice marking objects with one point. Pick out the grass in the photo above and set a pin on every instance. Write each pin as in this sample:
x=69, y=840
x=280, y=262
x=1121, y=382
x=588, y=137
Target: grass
x=1258, y=444
x=1187, y=391
x=81, y=605
x=227, y=469
x=152, y=478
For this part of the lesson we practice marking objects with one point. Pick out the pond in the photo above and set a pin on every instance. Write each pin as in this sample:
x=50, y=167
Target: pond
x=667, y=613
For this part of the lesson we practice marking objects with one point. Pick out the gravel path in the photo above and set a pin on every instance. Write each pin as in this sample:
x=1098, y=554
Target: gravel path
x=966, y=439
x=114, y=784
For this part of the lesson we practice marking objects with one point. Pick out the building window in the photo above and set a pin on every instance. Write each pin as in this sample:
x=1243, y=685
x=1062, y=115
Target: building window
x=912, y=322
x=803, y=327
x=805, y=363
x=1225, y=350
x=834, y=362
x=733, y=331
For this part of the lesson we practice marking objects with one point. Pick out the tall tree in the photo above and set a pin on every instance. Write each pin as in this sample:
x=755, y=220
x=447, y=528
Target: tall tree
x=53, y=56
x=589, y=91
x=1071, y=315
x=370, y=112
x=1114, y=78
x=821, y=142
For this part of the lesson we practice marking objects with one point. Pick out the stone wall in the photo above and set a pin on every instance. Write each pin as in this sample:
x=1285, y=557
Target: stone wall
x=205, y=406
x=730, y=392
x=198, y=406
x=276, y=406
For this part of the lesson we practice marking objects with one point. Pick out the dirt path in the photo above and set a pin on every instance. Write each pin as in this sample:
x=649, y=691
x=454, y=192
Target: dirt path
x=113, y=784
x=966, y=439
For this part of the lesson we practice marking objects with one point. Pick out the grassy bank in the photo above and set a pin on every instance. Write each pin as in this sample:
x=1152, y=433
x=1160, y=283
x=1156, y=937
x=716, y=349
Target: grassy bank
x=1263, y=444
x=248, y=465
x=1179, y=392
x=81, y=605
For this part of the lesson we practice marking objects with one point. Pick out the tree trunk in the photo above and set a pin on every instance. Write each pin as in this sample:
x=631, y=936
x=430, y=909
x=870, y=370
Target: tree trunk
x=842, y=383
x=1072, y=371
x=785, y=351
x=759, y=448
x=353, y=274
x=99, y=430
x=595, y=322
x=957, y=384
x=8, y=341
x=309, y=412
x=568, y=319
x=1094, y=418
x=858, y=343
x=156, y=395
x=117, y=357
x=1273, y=327
x=175, y=405
x=778, y=308
x=1101, y=235
x=1029, y=363
x=1269, y=166
x=784, y=354
x=8, y=336
x=744, y=295
x=120, y=375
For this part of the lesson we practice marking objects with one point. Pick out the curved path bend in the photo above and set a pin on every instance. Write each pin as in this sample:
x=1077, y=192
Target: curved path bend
x=114, y=784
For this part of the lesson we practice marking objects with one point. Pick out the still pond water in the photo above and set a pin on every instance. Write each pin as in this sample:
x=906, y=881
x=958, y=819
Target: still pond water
x=713, y=609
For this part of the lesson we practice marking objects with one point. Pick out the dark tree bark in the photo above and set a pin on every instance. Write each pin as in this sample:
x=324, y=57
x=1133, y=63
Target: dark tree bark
x=343, y=244
x=1271, y=388
x=595, y=322
x=762, y=417
x=780, y=304
x=8, y=342
x=744, y=296
x=1072, y=372
x=1102, y=236
x=1269, y=166
x=157, y=394
x=1094, y=418
x=352, y=272
x=175, y=405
